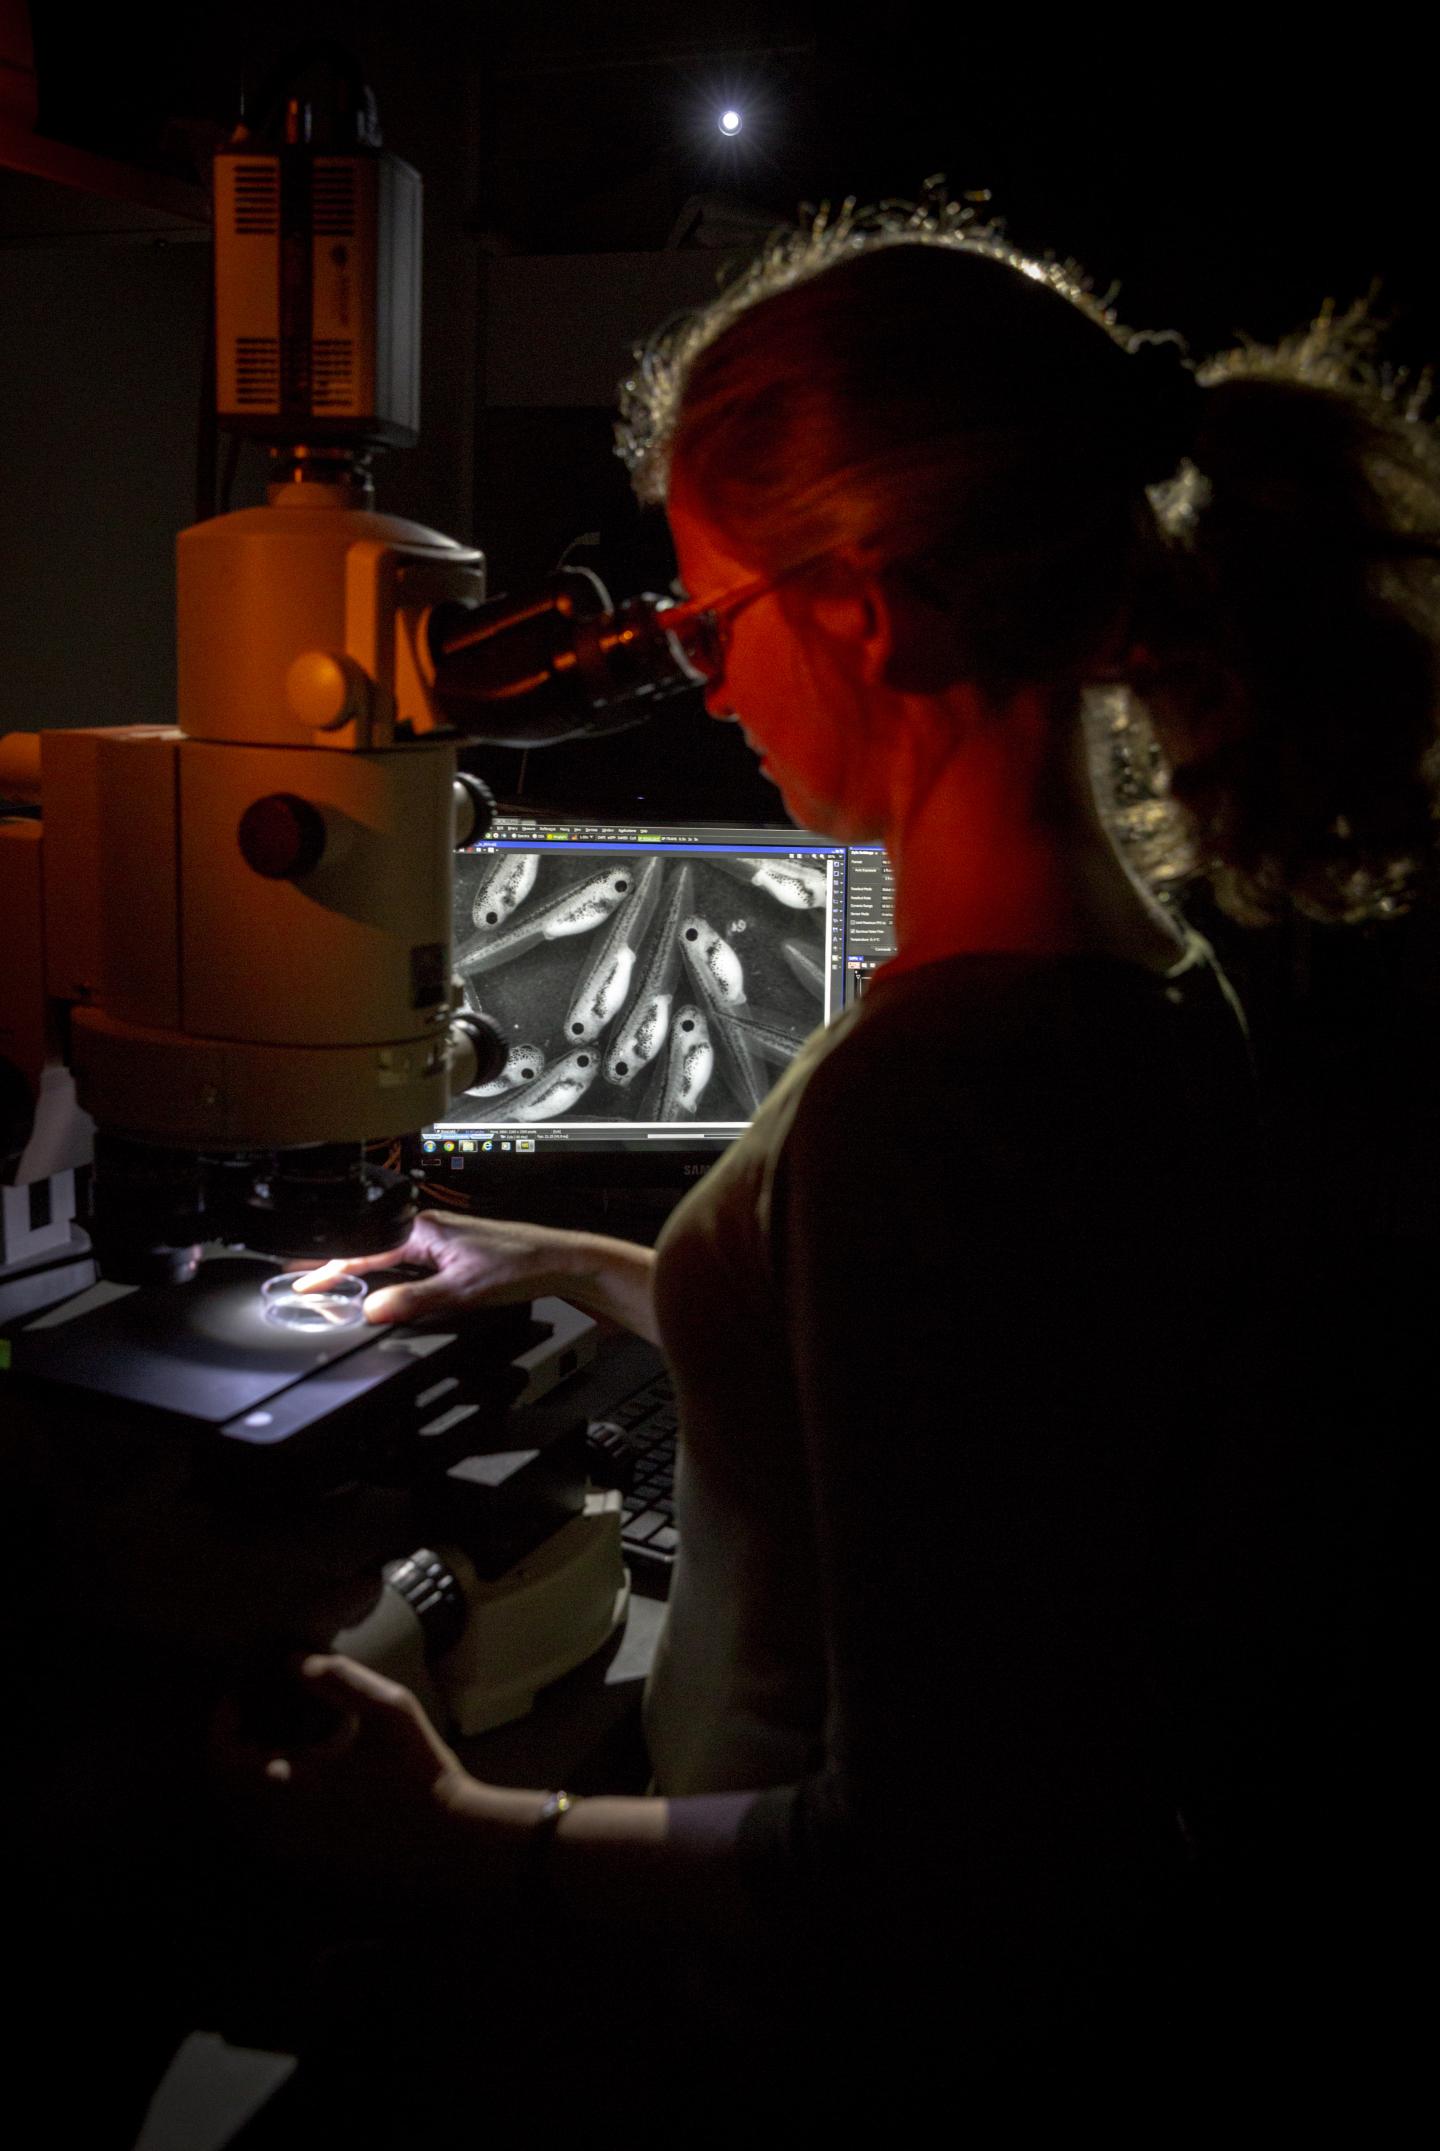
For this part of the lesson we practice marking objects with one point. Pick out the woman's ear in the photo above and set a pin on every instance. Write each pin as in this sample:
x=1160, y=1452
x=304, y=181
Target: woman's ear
x=892, y=636
x=844, y=612
x=911, y=647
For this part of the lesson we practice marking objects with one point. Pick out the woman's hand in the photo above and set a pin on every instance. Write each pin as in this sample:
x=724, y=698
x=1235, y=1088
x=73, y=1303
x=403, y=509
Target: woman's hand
x=353, y=1787
x=482, y=1261
x=473, y=1262
x=369, y=1801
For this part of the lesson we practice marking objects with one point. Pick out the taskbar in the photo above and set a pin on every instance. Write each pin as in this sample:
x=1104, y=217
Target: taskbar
x=471, y=1140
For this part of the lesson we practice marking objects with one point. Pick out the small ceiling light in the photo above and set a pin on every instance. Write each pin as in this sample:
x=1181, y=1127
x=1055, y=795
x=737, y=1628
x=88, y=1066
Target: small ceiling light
x=730, y=122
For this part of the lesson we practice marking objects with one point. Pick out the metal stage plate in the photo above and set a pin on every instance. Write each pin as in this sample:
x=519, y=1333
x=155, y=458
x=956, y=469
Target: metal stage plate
x=203, y=1350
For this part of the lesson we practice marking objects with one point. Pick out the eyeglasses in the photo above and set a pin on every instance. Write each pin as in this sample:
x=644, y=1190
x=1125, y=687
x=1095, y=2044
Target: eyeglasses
x=700, y=627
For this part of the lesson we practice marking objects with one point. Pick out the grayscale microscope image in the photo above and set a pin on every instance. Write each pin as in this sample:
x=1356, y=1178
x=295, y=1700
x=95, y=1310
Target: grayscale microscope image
x=636, y=988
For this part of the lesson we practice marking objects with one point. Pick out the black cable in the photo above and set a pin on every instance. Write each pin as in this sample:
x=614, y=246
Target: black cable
x=207, y=429
x=340, y=58
x=232, y=464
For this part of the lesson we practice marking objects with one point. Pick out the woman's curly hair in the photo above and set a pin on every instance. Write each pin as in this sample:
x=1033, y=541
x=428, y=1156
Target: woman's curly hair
x=906, y=383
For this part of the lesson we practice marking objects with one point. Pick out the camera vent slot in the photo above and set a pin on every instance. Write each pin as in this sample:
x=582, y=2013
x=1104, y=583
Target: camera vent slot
x=257, y=198
x=257, y=369
x=333, y=197
x=332, y=371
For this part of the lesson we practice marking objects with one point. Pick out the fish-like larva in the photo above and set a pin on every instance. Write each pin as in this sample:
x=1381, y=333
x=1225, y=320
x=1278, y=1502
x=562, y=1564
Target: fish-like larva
x=718, y=971
x=789, y=881
x=646, y=1022
x=641, y=1039
x=605, y=982
x=690, y=1067
x=553, y=1093
x=504, y=889
x=805, y=966
x=522, y=1065
x=751, y=1080
x=578, y=911
x=770, y=1036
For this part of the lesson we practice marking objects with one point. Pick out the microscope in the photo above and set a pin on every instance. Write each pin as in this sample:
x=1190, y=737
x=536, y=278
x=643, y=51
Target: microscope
x=228, y=994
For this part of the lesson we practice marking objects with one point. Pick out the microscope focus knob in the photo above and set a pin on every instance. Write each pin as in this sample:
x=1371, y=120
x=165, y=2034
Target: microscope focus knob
x=434, y=1596
x=475, y=809
x=480, y=1050
x=324, y=690
x=282, y=836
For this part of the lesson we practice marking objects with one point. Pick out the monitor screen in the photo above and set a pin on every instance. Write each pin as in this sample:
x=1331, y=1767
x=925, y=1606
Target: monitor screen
x=652, y=982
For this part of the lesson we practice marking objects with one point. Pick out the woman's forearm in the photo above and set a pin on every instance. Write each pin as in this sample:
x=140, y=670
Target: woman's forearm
x=640, y=1864
x=613, y=1279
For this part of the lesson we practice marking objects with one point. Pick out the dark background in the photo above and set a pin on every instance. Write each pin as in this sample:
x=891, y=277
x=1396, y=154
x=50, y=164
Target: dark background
x=1222, y=178
x=1228, y=173
x=578, y=192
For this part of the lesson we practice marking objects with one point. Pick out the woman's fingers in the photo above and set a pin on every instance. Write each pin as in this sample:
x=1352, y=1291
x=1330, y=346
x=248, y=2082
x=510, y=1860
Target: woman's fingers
x=385, y=1715
x=348, y=1683
x=443, y=1294
x=388, y=1306
x=473, y=1262
x=335, y=1702
x=347, y=1266
x=241, y=1757
x=431, y=1231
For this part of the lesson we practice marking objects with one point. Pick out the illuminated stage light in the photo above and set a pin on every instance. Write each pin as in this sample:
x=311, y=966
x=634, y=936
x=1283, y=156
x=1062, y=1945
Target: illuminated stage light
x=730, y=122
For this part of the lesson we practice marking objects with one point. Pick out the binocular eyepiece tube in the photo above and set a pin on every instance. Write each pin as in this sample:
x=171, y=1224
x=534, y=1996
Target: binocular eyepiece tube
x=557, y=663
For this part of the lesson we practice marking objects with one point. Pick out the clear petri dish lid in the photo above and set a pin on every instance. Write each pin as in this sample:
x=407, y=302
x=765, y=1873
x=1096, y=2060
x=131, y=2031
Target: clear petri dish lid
x=338, y=1304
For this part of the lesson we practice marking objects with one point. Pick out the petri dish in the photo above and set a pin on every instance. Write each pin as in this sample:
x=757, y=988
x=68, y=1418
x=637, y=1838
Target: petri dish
x=340, y=1304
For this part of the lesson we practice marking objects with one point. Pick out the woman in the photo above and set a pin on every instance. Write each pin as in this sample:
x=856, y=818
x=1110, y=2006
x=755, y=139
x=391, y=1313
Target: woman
x=964, y=1330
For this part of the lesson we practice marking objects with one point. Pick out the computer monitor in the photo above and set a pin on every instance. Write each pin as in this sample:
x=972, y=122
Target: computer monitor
x=653, y=981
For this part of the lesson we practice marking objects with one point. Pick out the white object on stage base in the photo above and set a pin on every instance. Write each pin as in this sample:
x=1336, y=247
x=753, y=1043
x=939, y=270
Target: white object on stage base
x=546, y=1616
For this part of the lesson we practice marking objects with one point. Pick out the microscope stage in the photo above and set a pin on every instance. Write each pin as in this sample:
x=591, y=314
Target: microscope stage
x=203, y=1350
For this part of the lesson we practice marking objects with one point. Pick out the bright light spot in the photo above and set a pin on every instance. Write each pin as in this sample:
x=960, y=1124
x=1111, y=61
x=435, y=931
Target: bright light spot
x=730, y=122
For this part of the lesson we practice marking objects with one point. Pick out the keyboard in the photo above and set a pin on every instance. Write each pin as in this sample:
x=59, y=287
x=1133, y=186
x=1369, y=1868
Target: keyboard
x=637, y=1433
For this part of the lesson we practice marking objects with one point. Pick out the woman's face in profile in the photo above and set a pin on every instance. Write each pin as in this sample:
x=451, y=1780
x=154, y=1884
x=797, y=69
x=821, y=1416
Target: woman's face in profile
x=804, y=717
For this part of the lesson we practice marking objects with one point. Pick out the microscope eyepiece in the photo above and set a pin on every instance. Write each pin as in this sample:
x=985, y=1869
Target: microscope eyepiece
x=560, y=662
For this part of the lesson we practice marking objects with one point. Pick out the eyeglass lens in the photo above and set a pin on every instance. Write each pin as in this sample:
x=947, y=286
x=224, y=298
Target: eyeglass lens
x=701, y=641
